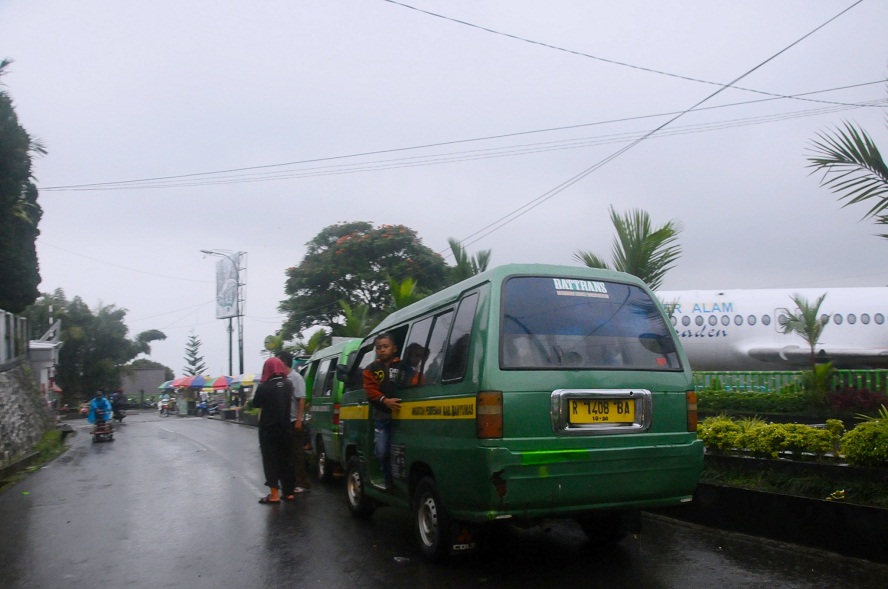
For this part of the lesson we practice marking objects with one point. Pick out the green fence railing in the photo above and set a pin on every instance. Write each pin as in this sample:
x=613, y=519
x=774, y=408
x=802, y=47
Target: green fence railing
x=873, y=380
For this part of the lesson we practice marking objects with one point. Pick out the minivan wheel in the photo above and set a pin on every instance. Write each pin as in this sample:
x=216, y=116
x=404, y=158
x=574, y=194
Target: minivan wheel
x=359, y=504
x=603, y=530
x=321, y=463
x=431, y=522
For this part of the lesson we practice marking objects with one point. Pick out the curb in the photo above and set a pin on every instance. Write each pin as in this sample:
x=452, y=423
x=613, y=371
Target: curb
x=857, y=531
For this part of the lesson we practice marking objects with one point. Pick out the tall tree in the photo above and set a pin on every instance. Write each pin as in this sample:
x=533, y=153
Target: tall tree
x=19, y=212
x=351, y=262
x=466, y=266
x=853, y=167
x=194, y=362
x=639, y=248
x=805, y=321
x=95, y=347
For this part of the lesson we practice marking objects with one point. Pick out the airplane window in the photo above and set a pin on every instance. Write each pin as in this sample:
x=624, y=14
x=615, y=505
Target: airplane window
x=685, y=320
x=738, y=320
x=726, y=320
x=751, y=319
x=880, y=319
x=837, y=319
x=766, y=320
x=698, y=320
x=865, y=318
x=713, y=320
x=852, y=318
x=824, y=318
x=782, y=319
x=673, y=320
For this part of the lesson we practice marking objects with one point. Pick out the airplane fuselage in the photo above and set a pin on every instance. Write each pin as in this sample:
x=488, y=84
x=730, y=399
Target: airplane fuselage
x=741, y=329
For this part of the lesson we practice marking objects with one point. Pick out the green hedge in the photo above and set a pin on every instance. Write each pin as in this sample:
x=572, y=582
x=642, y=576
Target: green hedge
x=718, y=401
x=865, y=445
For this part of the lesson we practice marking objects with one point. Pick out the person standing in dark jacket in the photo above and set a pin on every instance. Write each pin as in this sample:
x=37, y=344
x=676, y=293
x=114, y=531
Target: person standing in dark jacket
x=275, y=439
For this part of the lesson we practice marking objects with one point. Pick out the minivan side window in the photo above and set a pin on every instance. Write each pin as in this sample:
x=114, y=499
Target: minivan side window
x=457, y=356
x=320, y=380
x=437, y=344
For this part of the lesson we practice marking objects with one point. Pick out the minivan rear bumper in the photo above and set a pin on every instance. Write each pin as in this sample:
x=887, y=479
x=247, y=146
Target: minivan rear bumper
x=569, y=483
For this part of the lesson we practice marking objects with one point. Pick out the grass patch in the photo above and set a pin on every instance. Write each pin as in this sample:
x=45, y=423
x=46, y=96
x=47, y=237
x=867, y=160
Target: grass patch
x=861, y=492
x=47, y=449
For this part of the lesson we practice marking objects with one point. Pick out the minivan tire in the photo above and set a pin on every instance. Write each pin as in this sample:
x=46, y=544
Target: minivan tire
x=358, y=502
x=322, y=463
x=430, y=520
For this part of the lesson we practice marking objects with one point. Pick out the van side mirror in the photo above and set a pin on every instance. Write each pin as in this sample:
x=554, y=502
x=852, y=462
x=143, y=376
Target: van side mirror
x=342, y=372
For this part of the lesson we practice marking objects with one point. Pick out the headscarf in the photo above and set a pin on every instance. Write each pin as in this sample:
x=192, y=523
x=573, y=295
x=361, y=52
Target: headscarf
x=273, y=367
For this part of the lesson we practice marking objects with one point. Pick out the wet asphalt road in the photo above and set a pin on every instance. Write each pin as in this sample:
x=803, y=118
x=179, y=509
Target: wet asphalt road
x=172, y=502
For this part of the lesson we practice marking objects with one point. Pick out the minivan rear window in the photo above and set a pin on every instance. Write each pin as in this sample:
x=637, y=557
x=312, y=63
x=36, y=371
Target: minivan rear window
x=568, y=324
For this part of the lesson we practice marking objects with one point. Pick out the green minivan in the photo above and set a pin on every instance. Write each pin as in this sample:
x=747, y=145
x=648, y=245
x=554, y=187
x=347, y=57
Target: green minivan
x=323, y=392
x=537, y=392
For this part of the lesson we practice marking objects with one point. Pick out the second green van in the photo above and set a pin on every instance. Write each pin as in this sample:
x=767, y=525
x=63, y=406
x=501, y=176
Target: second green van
x=323, y=393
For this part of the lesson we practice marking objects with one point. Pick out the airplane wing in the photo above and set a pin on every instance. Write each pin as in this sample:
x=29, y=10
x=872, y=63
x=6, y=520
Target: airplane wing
x=840, y=357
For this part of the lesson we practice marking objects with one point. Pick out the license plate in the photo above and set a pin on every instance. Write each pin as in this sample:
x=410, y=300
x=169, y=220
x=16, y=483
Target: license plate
x=602, y=410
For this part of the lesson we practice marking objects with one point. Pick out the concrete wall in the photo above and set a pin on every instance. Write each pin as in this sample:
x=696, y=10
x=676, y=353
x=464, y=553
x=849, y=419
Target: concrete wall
x=24, y=414
x=142, y=379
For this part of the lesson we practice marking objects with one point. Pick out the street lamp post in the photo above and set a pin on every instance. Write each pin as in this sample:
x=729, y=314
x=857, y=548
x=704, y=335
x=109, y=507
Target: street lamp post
x=229, y=294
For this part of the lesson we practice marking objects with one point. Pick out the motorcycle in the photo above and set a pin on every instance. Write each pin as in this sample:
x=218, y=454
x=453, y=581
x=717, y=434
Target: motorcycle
x=119, y=414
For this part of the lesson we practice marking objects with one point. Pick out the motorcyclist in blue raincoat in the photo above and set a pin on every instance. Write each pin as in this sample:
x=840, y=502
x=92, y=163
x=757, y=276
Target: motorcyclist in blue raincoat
x=101, y=404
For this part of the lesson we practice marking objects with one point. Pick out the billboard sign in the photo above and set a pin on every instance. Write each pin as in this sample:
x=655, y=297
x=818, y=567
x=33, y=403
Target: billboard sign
x=226, y=288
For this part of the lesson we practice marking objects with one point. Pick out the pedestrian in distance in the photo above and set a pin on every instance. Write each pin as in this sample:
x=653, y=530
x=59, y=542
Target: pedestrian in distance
x=297, y=415
x=273, y=397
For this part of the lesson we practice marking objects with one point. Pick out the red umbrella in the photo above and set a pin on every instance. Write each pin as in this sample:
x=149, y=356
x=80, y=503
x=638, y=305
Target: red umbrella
x=195, y=381
x=220, y=382
x=180, y=382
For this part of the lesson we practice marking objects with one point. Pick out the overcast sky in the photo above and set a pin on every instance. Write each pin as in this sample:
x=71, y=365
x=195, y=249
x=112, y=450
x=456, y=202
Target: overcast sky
x=329, y=105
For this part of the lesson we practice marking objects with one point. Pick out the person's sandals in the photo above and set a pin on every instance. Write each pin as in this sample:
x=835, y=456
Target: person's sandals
x=267, y=499
x=289, y=497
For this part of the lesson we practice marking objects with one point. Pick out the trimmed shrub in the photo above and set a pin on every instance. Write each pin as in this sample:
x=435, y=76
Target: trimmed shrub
x=867, y=444
x=718, y=433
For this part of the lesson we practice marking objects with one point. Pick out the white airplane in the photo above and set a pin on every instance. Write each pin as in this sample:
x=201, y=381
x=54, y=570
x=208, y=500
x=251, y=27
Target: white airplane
x=740, y=329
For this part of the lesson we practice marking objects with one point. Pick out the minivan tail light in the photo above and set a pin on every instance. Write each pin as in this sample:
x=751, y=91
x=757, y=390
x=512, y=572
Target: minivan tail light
x=489, y=414
x=335, y=413
x=692, y=410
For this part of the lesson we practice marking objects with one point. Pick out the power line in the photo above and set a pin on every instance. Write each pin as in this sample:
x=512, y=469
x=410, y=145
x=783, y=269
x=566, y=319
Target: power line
x=527, y=207
x=206, y=179
x=603, y=59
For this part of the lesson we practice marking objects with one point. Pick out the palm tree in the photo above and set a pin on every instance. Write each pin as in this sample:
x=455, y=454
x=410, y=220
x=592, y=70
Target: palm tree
x=466, y=266
x=318, y=340
x=639, y=248
x=358, y=321
x=404, y=293
x=807, y=322
x=853, y=167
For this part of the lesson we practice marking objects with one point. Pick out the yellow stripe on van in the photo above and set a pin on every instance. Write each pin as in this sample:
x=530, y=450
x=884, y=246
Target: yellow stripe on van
x=354, y=412
x=437, y=409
